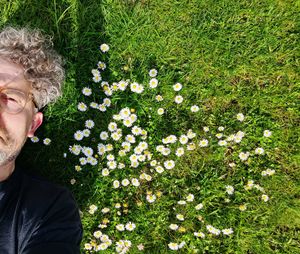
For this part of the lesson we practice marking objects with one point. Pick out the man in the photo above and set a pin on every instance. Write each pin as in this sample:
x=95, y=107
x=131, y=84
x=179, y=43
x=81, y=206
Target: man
x=36, y=217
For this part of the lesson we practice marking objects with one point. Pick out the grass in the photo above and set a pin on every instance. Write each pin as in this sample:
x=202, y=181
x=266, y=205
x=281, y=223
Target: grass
x=231, y=57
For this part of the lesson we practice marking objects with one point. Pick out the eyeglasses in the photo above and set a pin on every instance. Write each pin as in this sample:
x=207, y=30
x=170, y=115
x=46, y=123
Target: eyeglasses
x=13, y=101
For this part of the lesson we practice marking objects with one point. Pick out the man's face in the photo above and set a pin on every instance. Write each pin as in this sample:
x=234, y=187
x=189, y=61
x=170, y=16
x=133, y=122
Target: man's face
x=15, y=128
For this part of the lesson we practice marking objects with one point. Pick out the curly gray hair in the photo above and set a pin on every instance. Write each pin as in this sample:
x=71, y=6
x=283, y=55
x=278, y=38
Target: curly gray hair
x=42, y=65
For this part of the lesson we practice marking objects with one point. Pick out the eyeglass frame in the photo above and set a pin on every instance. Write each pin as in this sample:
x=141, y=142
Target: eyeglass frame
x=28, y=96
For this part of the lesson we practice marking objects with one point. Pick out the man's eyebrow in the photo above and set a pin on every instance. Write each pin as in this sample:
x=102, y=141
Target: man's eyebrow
x=7, y=77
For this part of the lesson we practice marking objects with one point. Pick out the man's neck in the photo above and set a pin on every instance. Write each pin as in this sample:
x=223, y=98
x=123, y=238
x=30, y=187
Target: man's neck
x=6, y=170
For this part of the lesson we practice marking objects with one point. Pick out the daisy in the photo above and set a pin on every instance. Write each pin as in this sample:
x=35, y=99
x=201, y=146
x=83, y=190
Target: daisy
x=75, y=149
x=89, y=124
x=244, y=156
x=116, y=184
x=173, y=226
x=111, y=164
x=135, y=182
x=87, y=91
x=267, y=133
x=222, y=143
x=130, y=226
x=194, y=108
x=240, y=117
x=86, y=133
x=104, y=135
x=125, y=182
x=173, y=246
x=34, y=139
x=180, y=217
x=78, y=135
x=122, y=85
x=153, y=73
x=264, y=197
x=160, y=111
x=229, y=189
x=153, y=83
x=181, y=202
x=206, y=129
x=97, y=78
x=97, y=234
x=150, y=198
x=159, y=169
x=107, y=102
x=199, y=206
x=82, y=107
x=47, y=141
x=94, y=105
x=203, y=143
x=178, y=99
x=87, y=151
x=102, y=107
x=169, y=164
x=179, y=151
x=159, y=98
x=104, y=47
x=105, y=172
x=227, y=231
x=259, y=150
x=120, y=227
x=177, y=87
x=134, y=87
x=109, y=147
x=190, y=198
x=183, y=139
x=199, y=234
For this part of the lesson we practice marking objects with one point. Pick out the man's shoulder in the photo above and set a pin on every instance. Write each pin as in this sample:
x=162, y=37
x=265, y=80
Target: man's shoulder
x=42, y=197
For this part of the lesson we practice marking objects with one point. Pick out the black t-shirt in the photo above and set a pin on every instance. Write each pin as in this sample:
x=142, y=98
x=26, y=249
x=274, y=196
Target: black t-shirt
x=37, y=217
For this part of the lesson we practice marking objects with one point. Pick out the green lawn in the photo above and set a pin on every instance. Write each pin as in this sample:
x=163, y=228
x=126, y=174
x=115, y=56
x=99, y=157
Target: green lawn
x=230, y=57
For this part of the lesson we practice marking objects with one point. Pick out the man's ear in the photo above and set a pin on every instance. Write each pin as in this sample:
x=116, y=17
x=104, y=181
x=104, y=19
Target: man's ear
x=36, y=122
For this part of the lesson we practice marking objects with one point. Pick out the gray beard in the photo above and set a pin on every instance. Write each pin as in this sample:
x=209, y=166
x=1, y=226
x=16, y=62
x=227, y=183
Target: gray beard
x=5, y=158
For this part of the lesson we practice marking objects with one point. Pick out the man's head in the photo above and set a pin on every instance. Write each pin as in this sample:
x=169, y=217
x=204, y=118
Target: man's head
x=31, y=76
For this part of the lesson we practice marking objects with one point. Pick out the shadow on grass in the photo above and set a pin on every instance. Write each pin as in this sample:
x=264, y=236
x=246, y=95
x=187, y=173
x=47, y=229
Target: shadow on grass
x=77, y=29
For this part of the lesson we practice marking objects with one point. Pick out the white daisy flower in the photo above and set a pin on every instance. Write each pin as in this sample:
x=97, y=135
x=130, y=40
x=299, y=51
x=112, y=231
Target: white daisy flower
x=104, y=135
x=194, y=108
x=265, y=197
x=105, y=172
x=120, y=227
x=34, y=139
x=78, y=135
x=130, y=226
x=116, y=184
x=47, y=141
x=159, y=98
x=199, y=206
x=104, y=47
x=86, y=133
x=125, y=182
x=259, y=150
x=178, y=99
x=173, y=246
x=203, y=143
x=135, y=182
x=169, y=164
x=240, y=117
x=101, y=65
x=89, y=124
x=82, y=107
x=150, y=198
x=97, y=78
x=177, y=87
x=153, y=83
x=190, y=198
x=180, y=217
x=153, y=73
x=174, y=227
x=229, y=189
x=87, y=91
x=267, y=133
x=179, y=151
x=244, y=156
x=227, y=231
x=122, y=85
x=160, y=111
x=159, y=169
